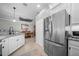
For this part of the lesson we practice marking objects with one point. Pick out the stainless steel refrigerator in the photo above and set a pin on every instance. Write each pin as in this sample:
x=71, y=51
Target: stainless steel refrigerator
x=55, y=43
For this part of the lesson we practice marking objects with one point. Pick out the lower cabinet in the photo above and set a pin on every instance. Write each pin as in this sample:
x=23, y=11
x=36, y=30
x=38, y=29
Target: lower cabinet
x=73, y=48
x=20, y=41
x=73, y=51
x=5, y=47
x=10, y=44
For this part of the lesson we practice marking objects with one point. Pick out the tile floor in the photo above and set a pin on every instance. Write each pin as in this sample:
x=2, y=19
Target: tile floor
x=29, y=49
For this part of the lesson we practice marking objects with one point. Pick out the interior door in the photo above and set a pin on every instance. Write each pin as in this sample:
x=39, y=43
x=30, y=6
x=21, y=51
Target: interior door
x=59, y=27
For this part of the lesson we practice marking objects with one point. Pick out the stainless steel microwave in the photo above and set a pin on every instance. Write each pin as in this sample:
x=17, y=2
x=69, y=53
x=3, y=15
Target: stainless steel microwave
x=75, y=33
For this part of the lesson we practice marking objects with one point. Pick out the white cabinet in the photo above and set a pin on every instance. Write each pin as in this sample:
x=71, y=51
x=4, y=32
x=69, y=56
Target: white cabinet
x=20, y=40
x=73, y=49
x=16, y=42
x=12, y=44
x=5, y=47
x=9, y=45
x=40, y=32
x=75, y=13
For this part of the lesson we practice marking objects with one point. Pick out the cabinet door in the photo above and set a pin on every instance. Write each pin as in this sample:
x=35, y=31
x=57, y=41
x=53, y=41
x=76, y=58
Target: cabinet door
x=73, y=51
x=75, y=13
x=12, y=44
x=5, y=46
x=20, y=40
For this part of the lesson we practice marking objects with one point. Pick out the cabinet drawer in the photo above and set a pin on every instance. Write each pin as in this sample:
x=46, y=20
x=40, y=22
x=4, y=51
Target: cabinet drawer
x=74, y=43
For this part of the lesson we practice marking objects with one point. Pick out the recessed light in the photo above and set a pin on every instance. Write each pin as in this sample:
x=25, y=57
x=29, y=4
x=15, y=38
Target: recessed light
x=14, y=20
x=38, y=6
x=50, y=6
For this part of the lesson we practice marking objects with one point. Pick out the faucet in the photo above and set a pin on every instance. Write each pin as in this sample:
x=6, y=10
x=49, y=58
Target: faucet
x=11, y=31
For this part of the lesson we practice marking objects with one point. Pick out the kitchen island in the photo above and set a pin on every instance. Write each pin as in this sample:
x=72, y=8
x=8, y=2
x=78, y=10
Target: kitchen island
x=10, y=43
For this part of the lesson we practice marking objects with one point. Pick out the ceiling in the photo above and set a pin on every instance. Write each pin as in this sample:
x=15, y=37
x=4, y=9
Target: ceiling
x=25, y=10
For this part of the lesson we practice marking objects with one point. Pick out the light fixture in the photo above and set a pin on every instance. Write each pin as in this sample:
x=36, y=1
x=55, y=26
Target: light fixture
x=38, y=5
x=14, y=20
x=14, y=14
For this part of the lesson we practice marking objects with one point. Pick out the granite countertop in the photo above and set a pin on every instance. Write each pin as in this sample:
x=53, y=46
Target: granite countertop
x=2, y=36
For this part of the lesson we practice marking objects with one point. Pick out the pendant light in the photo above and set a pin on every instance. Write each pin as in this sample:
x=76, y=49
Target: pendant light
x=14, y=14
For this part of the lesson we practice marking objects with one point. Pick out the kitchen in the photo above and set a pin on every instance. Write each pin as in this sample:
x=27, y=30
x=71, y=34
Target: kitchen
x=46, y=29
x=59, y=28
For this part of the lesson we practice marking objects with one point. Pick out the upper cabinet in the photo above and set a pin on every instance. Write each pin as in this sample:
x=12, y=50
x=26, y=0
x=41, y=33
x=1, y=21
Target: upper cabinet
x=75, y=13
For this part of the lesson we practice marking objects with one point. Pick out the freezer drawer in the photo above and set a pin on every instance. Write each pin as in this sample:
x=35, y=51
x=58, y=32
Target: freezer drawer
x=46, y=46
x=53, y=49
x=58, y=50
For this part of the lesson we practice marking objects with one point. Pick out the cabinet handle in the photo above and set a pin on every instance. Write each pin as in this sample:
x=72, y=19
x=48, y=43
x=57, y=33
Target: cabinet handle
x=3, y=47
x=69, y=48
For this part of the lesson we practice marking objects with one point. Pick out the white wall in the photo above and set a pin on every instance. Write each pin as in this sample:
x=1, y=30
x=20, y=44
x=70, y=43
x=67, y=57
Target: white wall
x=39, y=32
x=43, y=14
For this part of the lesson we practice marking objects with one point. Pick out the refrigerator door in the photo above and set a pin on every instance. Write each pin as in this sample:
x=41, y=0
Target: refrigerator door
x=58, y=27
x=47, y=28
x=50, y=28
